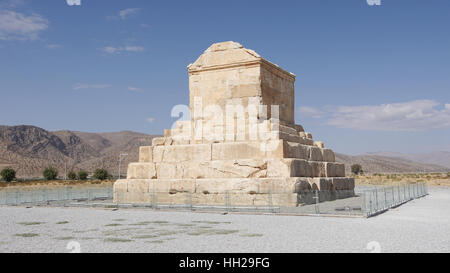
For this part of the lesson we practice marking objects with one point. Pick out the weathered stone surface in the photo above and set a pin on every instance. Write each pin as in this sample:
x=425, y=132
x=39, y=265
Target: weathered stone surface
x=288, y=168
x=319, y=144
x=141, y=171
x=179, y=153
x=340, y=170
x=328, y=155
x=158, y=141
x=315, y=153
x=145, y=154
x=254, y=159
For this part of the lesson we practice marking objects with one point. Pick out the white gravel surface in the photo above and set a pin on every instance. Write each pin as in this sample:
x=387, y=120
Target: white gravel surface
x=421, y=225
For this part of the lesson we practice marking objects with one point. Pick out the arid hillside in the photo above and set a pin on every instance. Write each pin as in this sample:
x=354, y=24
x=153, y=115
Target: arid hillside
x=29, y=149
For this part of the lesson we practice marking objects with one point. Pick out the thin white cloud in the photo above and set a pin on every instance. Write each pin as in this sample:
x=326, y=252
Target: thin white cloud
x=310, y=112
x=131, y=88
x=18, y=26
x=417, y=115
x=123, y=14
x=150, y=120
x=53, y=46
x=134, y=48
x=11, y=3
x=79, y=86
x=120, y=49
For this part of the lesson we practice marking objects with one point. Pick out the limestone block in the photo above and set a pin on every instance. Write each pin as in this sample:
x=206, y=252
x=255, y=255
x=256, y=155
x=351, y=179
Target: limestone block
x=167, y=132
x=181, y=141
x=330, y=169
x=319, y=144
x=299, y=128
x=320, y=184
x=284, y=199
x=278, y=185
x=340, y=170
x=287, y=168
x=169, y=141
x=158, y=141
x=315, y=153
x=180, y=153
x=240, y=168
x=309, y=136
x=237, y=150
x=141, y=171
x=221, y=185
x=218, y=199
x=167, y=170
x=351, y=183
x=120, y=189
x=316, y=169
x=145, y=154
x=182, y=185
x=306, y=141
x=138, y=191
x=328, y=155
x=339, y=183
x=302, y=185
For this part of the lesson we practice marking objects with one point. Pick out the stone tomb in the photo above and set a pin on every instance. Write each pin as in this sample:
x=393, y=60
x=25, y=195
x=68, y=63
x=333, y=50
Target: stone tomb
x=240, y=145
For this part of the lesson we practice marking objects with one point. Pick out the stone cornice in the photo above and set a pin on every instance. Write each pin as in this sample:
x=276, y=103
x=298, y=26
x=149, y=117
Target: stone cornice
x=260, y=61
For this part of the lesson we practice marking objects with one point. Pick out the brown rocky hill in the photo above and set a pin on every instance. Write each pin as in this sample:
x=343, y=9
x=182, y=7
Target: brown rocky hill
x=29, y=149
x=385, y=164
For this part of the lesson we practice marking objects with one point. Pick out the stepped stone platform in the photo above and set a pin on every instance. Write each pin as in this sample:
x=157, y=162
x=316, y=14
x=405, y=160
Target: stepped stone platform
x=240, y=144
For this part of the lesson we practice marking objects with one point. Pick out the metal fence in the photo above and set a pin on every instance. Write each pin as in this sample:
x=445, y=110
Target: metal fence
x=380, y=199
x=363, y=201
x=54, y=195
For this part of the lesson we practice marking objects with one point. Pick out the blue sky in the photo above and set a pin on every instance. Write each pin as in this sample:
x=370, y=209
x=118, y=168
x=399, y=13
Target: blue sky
x=369, y=78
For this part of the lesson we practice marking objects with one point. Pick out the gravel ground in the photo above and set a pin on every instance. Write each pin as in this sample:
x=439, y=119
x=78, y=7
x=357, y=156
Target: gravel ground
x=421, y=225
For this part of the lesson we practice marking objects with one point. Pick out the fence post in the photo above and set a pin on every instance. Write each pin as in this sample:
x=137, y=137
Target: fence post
x=393, y=196
x=189, y=200
x=363, y=207
x=316, y=196
x=270, y=201
x=376, y=199
x=227, y=201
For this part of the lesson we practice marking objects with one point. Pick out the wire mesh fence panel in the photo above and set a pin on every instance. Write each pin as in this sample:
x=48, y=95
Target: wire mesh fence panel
x=364, y=201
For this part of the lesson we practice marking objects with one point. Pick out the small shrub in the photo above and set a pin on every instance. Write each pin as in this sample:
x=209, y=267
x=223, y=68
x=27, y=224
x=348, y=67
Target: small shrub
x=8, y=174
x=50, y=173
x=82, y=175
x=357, y=169
x=101, y=174
x=72, y=175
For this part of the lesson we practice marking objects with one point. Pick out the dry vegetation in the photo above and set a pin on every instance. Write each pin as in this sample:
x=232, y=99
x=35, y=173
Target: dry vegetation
x=432, y=179
x=57, y=183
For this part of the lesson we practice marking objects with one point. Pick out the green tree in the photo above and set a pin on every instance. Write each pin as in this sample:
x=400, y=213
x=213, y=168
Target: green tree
x=82, y=175
x=101, y=174
x=72, y=175
x=8, y=174
x=50, y=173
x=357, y=169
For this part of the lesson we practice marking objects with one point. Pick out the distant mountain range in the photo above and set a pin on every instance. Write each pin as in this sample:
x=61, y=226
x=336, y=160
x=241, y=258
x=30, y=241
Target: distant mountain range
x=441, y=158
x=29, y=149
